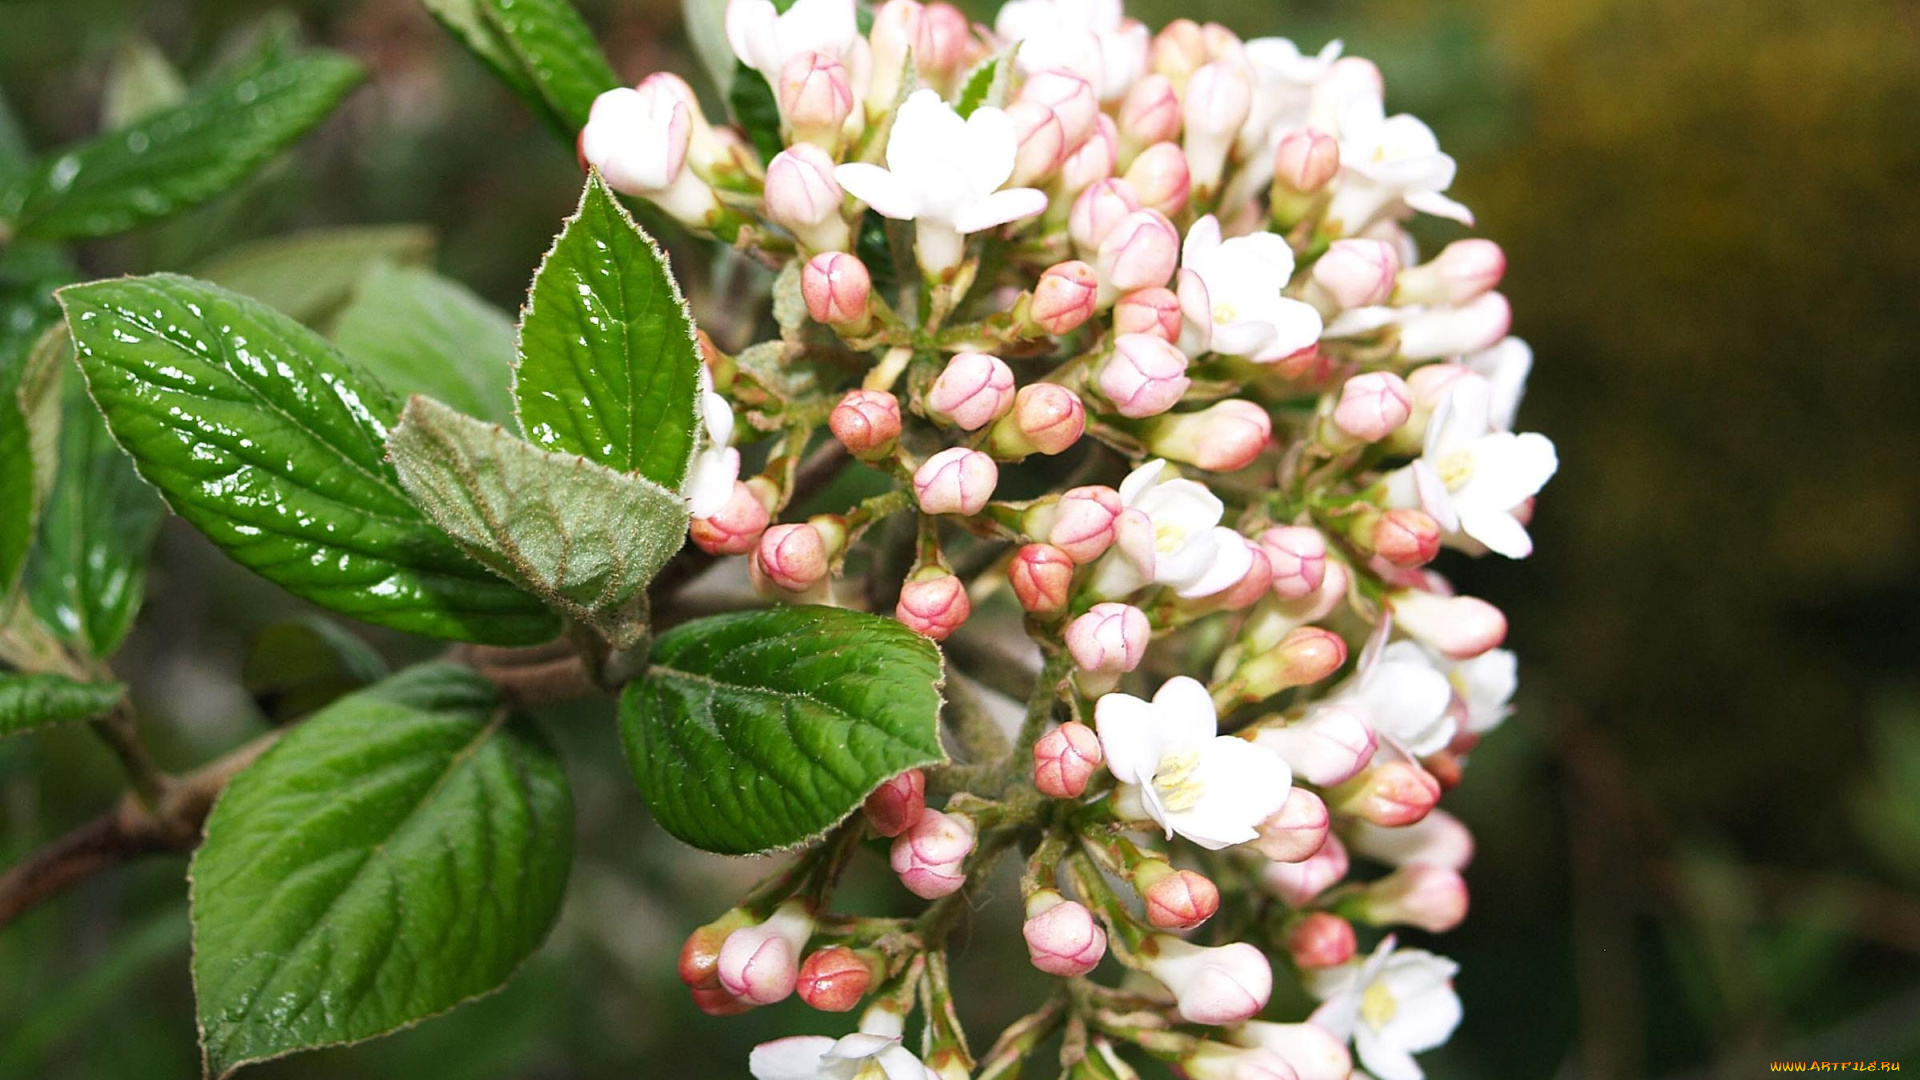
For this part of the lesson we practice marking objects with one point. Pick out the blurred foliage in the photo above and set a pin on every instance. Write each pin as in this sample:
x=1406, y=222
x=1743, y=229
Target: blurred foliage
x=1699, y=841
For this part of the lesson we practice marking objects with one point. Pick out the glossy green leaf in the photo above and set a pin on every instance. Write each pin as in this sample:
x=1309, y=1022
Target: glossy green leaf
x=557, y=51
x=761, y=730
x=609, y=364
x=297, y=667
x=31, y=701
x=312, y=275
x=140, y=82
x=181, y=156
x=420, y=333
x=580, y=536
x=467, y=20
x=265, y=438
x=87, y=577
x=29, y=402
x=398, y=853
x=756, y=110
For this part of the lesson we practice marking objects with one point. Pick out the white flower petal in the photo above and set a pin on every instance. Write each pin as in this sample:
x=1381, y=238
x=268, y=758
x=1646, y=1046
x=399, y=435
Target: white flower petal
x=1000, y=208
x=1184, y=712
x=1509, y=469
x=1242, y=785
x=1230, y=561
x=1383, y=1059
x=1499, y=530
x=880, y=189
x=1129, y=737
x=796, y=1058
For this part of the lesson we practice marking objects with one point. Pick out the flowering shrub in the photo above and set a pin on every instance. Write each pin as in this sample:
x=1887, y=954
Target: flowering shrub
x=1146, y=418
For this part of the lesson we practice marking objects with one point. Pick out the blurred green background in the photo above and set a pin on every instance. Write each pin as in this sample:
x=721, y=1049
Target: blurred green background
x=1700, y=838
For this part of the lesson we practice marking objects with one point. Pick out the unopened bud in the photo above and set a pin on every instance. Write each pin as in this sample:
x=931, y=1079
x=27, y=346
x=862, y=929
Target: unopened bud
x=1065, y=760
x=1217, y=986
x=1463, y=271
x=700, y=955
x=1356, y=273
x=737, y=528
x=1328, y=746
x=1442, y=332
x=1252, y=587
x=793, y=557
x=803, y=197
x=1319, y=940
x=933, y=604
x=1373, y=406
x=867, y=423
x=1097, y=211
x=816, y=98
x=1306, y=161
x=1298, y=830
x=1314, y=1052
x=760, y=965
x=1219, y=100
x=1108, y=640
x=1305, y=656
x=1179, y=50
x=1457, y=627
x=1083, y=522
x=1144, y=377
x=1431, y=898
x=1224, y=437
x=956, y=481
x=1042, y=576
x=931, y=856
x=1405, y=538
x=835, y=979
x=1063, y=938
x=973, y=391
x=1299, y=557
x=1298, y=883
x=1070, y=97
x=897, y=805
x=1155, y=312
x=1390, y=794
x=1161, y=178
x=1141, y=252
x=1065, y=298
x=1439, y=839
x=942, y=44
x=1151, y=112
x=838, y=290
x=1094, y=161
x=1176, y=899
x=1041, y=142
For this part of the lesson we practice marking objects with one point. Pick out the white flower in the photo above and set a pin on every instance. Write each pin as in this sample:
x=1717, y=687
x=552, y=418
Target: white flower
x=1472, y=478
x=1191, y=552
x=859, y=1056
x=1486, y=685
x=717, y=465
x=1212, y=789
x=946, y=174
x=764, y=38
x=1393, y=1006
x=1387, y=159
x=1091, y=38
x=1230, y=295
x=1506, y=366
x=1284, y=79
x=1403, y=697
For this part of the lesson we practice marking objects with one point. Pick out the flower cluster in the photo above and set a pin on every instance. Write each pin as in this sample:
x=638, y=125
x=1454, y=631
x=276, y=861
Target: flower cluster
x=1127, y=330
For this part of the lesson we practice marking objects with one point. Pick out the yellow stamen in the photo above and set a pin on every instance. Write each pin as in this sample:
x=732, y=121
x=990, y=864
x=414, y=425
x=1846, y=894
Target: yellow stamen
x=1456, y=469
x=1377, y=1005
x=1174, y=780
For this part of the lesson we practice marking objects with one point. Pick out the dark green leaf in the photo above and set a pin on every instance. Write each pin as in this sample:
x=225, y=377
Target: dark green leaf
x=987, y=84
x=182, y=156
x=422, y=334
x=87, y=576
x=139, y=83
x=582, y=537
x=29, y=411
x=557, y=51
x=609, y=364
x=312, y=275
x=467, y=20
x=297, y=667
x=397, y=854
x=263, y=437
x=764, y=729
x=757, y=111
x=31, y=701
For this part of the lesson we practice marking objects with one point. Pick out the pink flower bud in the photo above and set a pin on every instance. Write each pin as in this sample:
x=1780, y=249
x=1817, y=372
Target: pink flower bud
x=1329, y=746
x=1305, y=656
x=835, y=979
x=1141, y=252
x=1224, y=437
x=638, y=138
x=1065, y=759
x=737, y=528
x=1357, y=273
x=1219, y=100
x=1406, y=538
x=1154, y=311
x=1252, y=586
x=1097, y=211
x=1373, y=406
x=867, y=423
x=1179, y=50
x=1041, y=575
x=933, y=604
x=1320, y=940
x=1314, y=1052
x=1299, y=556
x=1439, y=839
x=1177, y=899
x=1083, y=522
x=1065, y=298
x=1042, y=142
x=1144, y=377
x=1298, y=883
x=1390, y=794
x=1431, y=898
x=715, y=1001
x=837, y=288
x=1431, y=384
x=1070, y=97
x=956, y=481
x=1298, y=830
x=760, y=964
x=700, y=955
x=1463, y=271
x=896, y=806
x=1215, y=986
x=1161, y=178
x=803, y=197
x=816, y=98
x=1443, y=332
x=1109, y=639
x=1457, y=627
x=944, y=40
x=1306, y=161
x=1094, y=161
x=930, y=857
x=793, y=557
x=1047, y=418
x=1063, y=937
x=1151, y=112
x=973, y=391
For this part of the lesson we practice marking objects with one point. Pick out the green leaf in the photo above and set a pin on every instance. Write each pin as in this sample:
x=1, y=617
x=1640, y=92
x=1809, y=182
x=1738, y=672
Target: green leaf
x=397, y=854
x=29, y=415
x=312, y=275
x=421, y=333
x=182, y=156
x=764, y=729
x=609, y=364
x=15, y=155
x=582, y=537
x=264, y=438
x=140, y=82
x=31, y=701
x=757, y=111
x=300, y=666
x=989, y=83
x=87, y=576
x=557, y=51
x=467, y=20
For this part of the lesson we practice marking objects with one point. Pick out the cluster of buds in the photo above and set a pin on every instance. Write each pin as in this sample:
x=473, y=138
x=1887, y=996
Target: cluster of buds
x=1132, y=329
